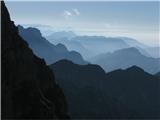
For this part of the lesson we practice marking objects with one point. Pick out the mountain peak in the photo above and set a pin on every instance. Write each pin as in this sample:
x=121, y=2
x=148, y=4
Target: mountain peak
x=35, y=31
x=135, y=68
x=20, y=27
x=32, y=30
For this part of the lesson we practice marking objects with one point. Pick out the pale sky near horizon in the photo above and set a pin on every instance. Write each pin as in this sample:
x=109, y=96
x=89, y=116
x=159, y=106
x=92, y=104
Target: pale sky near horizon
x=139, y=20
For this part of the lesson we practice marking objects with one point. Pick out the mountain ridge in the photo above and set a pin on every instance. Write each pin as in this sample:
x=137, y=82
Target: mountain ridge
x=92, y=93
x=125, y=58
x=44, y=49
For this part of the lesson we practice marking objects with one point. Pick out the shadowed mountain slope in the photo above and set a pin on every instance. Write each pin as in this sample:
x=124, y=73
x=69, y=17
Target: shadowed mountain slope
x=91, y=93
x=28, y=88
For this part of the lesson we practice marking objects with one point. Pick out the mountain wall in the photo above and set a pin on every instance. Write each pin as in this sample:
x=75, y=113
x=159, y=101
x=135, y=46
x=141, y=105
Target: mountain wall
x=28, y=88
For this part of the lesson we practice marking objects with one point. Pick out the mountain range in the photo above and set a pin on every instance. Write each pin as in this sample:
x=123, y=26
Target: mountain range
x=92, y=93
x=125, y=58
x=121, y=83
x=46, y=50
x=94, y=45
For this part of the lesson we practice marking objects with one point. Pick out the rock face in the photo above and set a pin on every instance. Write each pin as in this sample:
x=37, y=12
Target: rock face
x=28, y=86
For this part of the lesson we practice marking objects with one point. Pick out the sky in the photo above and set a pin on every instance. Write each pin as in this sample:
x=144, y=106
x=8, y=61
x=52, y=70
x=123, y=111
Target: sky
x=139, y=20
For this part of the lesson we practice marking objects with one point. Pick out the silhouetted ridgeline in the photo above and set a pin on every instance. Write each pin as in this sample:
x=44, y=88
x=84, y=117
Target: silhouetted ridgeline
x=91, y=93
x=125, y=58
x=44, y=49
x=157, y=74
x=28, y=88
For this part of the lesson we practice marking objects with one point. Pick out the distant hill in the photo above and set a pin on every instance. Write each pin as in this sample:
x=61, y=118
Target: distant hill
x=133, y=42
x=154, y=51
x=125, y=58
x=89, y=46
x=70, y=44
x=100, y=44
x=44, y=49
x=144, y=49
x=91, y=93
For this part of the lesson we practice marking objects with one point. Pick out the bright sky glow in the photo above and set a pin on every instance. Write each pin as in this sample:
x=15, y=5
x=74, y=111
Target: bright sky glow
x=139, y=20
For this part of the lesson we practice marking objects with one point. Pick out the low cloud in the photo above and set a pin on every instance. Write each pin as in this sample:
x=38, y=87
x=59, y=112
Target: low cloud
x=71, y=13
x=76, y=11
x=67, y=14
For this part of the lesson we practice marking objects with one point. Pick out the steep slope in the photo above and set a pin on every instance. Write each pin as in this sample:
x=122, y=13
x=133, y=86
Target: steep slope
x=125, y=58
x=44, y=49
x=28, y=88
x=91, y=93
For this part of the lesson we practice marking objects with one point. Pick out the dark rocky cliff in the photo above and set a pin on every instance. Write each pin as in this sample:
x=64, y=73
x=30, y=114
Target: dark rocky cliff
x=28, y=86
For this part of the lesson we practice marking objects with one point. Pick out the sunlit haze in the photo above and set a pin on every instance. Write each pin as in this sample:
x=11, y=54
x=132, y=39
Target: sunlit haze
x=139, y=20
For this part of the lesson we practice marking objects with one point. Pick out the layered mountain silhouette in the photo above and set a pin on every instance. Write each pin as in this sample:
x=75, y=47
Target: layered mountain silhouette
x=125, y=58
x=28, y=88
x=44, y=49
x=90, y=46
x=132, y=42
x=91, y=93
x=100, y=44
x=73, y=45
x=93, y=45
x=32, y=90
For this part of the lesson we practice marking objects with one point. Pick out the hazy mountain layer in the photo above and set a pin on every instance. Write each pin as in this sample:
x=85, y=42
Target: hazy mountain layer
x=90, y=46
x=125, y=58
x=44, y=49
x=154, y=51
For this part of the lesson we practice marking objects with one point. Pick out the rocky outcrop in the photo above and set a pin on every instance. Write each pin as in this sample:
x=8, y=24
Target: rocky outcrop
x=28, y=86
